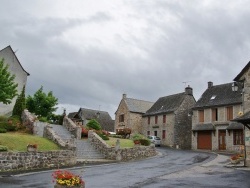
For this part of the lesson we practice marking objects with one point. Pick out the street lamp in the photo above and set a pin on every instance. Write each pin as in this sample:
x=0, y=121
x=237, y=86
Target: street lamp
x=235, y=86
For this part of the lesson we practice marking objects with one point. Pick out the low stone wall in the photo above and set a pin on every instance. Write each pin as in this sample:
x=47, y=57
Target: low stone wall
x=76, y=130
x=116, y=153
x=28, y=119
x=35, y=160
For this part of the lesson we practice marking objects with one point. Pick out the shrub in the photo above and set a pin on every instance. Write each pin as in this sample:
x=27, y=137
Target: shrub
x=15, y=120
x=7, y=126
x=104, y=137
x=3, y=130
x=3, y=118
x=93, y=124
x=3, y=148
x=43, y=119
x=138, y=137
x=145, y=141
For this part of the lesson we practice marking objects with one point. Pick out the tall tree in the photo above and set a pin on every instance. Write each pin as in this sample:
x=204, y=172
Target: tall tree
x=20, y=104
x=8, y=87
x=42, y=104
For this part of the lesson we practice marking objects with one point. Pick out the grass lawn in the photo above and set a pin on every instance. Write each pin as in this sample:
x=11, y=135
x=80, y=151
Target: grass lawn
x=124, y=143
x=16, y=141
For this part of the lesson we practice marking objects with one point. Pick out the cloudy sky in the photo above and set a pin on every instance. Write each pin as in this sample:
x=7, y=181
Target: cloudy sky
x=90, y=52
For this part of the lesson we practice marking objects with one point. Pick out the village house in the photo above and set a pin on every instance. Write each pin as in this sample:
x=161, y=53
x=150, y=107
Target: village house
x=244, y=78
x=129, y=114
x=170, y=119
x=211, y=121
x=15, y=68
x=84, y=115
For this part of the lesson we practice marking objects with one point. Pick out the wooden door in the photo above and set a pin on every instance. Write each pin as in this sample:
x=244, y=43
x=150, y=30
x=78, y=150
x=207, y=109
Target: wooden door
x=222, y=139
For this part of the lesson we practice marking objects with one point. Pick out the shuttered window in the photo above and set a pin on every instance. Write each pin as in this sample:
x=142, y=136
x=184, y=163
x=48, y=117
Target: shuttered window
x=163, y=134
x=215, y=114
x=156, y=119
x=148, y=120
x=164, y=118
x=229, y=113
x=201, y=116
x=238, y=137
x=121, y=118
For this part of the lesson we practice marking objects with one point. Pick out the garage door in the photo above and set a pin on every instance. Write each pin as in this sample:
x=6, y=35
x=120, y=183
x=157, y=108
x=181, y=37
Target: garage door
x=204, y=140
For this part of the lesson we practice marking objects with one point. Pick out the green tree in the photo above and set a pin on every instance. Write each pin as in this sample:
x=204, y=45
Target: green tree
x=20, y=104
x=8, y=87
x=42, y=104
x=94, y=124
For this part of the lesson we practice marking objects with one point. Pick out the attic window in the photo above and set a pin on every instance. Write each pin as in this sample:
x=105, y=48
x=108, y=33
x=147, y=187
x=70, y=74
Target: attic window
x=213, y=97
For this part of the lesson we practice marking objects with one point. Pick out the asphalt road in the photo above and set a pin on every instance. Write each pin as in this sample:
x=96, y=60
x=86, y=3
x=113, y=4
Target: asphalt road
x=172, y=168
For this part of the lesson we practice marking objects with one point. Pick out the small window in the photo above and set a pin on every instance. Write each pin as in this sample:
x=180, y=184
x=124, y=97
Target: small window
x=163, y=134
x=156, y=120
x=215, y=114
x=148, y=120
x=121, y=118
x=148, y=133
x=213, y=97
x=229, y=113
x=238, y=137
x=201, y=116
x=164, y=118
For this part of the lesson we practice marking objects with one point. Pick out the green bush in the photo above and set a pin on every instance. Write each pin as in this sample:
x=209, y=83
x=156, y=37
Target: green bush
x=3, y=118
x=145, y=141
x=3, y=148
x=104, y=137
x=3, y=130
x=7, y=126
x=15, y=120
x=43, y=119
x=138, y=137
x=93, y=124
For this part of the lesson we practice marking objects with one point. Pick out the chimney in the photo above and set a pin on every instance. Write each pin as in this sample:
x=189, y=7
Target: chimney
x=124, y=96
x=210, y=84
x=189, y=90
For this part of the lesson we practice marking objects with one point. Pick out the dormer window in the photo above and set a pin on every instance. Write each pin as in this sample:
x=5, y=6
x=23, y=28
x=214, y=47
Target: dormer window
x=213, y=97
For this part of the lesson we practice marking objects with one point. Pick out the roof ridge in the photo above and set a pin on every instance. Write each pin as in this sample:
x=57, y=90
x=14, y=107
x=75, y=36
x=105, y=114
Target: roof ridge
x=139, y=100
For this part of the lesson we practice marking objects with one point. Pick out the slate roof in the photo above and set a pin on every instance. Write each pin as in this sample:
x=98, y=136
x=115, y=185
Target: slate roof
x=245, y=118
x=204, y=127
x=104, y=118
x=71, y=115
x=166, y=104
x=235, y=125
x=237, y=78
x=138, y=106
x=223, y=95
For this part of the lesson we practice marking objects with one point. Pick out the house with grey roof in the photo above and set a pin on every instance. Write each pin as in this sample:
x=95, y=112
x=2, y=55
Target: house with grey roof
x=244, y=78
x=129, y=114
x=170, y=119
x=84, y=115
x=15, y=68
x=211, y=121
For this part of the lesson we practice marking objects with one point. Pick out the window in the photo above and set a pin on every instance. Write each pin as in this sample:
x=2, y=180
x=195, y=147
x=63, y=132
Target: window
x=163, y=134
x=148, y=120
x=213, y=97
x=155, y=133
x=238, y=137
x=164, y=118
x=215, y=114
x=201, y=116
x=121, y=118
x=229, y=113
x=148, y=133
x=156, y=120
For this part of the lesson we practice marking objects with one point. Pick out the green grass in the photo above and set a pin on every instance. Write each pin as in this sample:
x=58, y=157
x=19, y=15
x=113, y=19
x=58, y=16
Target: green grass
x=18, y=142
x=124, y=143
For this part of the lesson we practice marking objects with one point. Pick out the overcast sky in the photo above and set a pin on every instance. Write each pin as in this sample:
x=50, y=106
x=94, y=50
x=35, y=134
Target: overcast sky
x=90, y=52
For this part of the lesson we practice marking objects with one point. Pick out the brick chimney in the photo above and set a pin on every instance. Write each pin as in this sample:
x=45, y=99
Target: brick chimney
x=189, y=90
x=124, y=96
x=209, y=84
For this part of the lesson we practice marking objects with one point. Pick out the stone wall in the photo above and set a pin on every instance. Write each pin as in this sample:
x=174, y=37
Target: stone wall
x=116, y=153
x=28, y=120
x=51, y=135
x=35, y=160
x=76, y=130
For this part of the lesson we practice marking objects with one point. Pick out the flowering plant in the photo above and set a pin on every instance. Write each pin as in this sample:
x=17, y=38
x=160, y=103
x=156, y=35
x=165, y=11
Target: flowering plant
x=64, y=177
x=32, y=145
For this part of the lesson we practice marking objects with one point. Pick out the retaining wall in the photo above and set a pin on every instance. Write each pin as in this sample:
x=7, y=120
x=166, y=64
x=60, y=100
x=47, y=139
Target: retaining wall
x=116, y=153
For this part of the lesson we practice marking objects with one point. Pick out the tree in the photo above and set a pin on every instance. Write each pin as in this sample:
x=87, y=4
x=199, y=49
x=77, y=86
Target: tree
x=20, y=104
x=42, y=104
x=94, y=124
x=8, y=88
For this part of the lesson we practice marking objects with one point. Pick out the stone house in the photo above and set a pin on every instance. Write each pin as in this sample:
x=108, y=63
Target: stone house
x=84, y=115
x=129, y=114
x=15, y=68
x=211, y=121
x=170, y=119
x=244, y=78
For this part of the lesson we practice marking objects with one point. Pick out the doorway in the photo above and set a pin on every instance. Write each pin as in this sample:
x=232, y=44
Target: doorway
x=222, y=139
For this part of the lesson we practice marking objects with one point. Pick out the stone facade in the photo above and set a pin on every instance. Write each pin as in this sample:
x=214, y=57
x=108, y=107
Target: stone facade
x=132, y=111
x=176, y=131
x=116, y=153
x=15, y=68
x=36, y=160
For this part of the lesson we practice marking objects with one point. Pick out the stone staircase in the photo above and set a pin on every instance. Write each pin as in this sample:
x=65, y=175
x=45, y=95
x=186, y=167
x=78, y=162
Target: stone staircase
x=84, y=150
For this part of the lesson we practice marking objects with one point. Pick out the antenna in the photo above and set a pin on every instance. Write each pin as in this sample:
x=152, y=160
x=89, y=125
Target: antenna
x=186, y=83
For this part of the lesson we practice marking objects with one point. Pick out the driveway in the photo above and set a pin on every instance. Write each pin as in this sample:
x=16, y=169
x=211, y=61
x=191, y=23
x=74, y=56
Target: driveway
x=171, y=168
